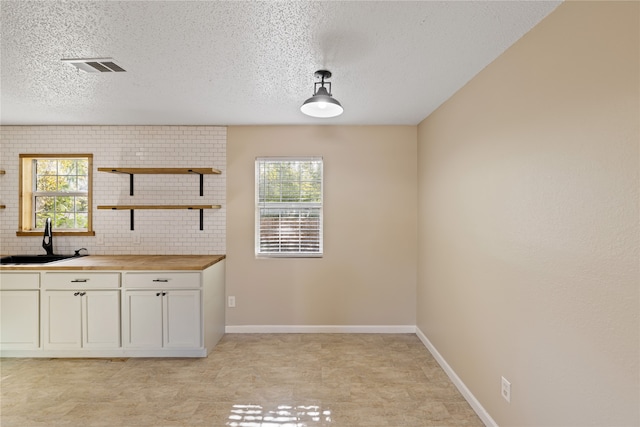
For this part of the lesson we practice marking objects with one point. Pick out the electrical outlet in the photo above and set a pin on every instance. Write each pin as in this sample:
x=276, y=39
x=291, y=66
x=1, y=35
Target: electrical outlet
x=506, y=390
x=232, y=302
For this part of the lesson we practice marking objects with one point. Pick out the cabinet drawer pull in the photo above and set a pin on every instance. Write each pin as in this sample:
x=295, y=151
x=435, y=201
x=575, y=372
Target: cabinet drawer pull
x=161, y=280
x=79, y=280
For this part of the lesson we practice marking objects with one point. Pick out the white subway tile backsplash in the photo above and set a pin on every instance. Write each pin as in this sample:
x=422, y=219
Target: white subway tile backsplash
x=161, y=231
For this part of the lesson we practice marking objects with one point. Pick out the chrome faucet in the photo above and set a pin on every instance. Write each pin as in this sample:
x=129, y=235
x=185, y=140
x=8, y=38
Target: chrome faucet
x=47, y=240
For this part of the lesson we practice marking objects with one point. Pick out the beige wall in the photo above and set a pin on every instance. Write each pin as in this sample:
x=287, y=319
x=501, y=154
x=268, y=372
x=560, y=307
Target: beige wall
x=528, y=223
x=368, y=273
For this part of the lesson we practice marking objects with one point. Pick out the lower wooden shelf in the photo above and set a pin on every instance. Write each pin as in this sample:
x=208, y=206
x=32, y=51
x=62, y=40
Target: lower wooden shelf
x=127, y=207
x=133, y=208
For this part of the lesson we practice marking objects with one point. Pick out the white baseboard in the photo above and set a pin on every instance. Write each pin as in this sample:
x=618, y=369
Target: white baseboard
x=462, y=388
x=320, y=329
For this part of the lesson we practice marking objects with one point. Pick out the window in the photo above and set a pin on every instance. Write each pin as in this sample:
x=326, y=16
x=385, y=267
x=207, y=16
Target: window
x=289, y=207
x=56, y=186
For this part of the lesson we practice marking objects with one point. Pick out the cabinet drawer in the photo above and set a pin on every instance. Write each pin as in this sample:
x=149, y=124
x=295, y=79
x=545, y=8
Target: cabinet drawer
x=162, y=280
x=80, y=280
x=19, y=280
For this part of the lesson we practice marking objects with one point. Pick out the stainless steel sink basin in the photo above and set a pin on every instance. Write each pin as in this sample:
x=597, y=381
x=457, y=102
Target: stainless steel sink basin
x=32, y=259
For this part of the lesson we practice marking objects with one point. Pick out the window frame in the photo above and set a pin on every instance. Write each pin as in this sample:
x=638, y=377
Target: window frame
x=319, y=206
x=27, y=194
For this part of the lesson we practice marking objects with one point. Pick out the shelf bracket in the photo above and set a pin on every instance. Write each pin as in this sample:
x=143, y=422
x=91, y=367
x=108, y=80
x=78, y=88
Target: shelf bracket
x=130, y=216
x=201, y=183
x=130, y=180
x=201, y=218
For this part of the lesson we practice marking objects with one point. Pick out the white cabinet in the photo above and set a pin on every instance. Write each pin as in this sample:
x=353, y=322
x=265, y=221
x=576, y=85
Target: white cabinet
x=81, y=319
x=101, y=319
x=173, y=313
x=181, y=319
x=19, y=320
x=162, y=319
x=62, y=319
x=109, y=312
x=19, y=311
x=81, y=310
x=142, y=319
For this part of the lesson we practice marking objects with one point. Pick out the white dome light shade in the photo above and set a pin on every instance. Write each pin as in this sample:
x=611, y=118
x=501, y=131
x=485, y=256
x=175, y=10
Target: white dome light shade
x=322, y=104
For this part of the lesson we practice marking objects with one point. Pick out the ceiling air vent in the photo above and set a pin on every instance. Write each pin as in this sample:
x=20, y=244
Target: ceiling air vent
x=95, y=65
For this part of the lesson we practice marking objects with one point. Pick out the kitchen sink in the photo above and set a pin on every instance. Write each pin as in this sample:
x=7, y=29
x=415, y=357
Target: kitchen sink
x=33, y=259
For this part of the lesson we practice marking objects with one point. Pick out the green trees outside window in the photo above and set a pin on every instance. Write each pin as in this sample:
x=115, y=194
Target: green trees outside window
x=61, y=192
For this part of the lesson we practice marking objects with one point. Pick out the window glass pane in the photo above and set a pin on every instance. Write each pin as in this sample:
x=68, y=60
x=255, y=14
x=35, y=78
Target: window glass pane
x=64, y=220
x=46, y=183
x=41, y=217
x=290, y=230
x=45, y=204
x=67, y=167
x=83, y=167
x=66, y=183
x=46, y=167
x=83, y=183
x=65, y=204
x=82, y=204
x=82, y=220
x=310, y=191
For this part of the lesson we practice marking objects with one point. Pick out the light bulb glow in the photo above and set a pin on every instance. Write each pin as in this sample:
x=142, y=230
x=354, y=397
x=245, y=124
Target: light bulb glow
x=322, y=104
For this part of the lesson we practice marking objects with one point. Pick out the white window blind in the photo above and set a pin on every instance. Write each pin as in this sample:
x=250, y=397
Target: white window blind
x=289, y=206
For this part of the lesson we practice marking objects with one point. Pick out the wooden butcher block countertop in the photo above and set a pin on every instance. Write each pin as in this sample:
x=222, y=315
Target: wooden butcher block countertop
x=124, y=262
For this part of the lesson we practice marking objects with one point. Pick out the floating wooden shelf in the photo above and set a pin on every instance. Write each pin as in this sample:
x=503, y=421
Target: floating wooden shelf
x=132, y=208
x=162, y=171
x=129, y=207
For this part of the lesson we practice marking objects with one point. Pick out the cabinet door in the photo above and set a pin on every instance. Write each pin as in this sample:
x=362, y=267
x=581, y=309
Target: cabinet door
x=62, y=319
x=19, y=320
x=143, y=319
x=101, y=319
x=182, y=319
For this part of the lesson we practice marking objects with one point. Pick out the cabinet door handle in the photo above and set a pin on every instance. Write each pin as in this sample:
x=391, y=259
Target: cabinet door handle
x=82, y=294
x=158, y=294
x=75, y=294
x=161, y=280
x=79, y=280
x=164, y=293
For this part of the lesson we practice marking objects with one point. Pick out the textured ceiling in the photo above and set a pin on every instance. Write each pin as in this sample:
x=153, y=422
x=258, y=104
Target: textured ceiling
x=225, y=63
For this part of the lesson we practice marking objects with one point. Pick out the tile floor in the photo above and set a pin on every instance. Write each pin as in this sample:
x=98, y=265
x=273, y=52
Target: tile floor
x=249, y=380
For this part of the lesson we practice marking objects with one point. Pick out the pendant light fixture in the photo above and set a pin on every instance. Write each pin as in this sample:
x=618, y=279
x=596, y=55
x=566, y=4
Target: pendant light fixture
x=322, y=103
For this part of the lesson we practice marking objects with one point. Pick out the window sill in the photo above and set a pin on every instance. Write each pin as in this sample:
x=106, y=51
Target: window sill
x=287, y=255
x=38, y=233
